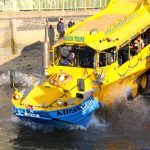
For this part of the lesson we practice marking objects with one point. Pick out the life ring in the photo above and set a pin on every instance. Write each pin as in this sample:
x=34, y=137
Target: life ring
x=60, y=78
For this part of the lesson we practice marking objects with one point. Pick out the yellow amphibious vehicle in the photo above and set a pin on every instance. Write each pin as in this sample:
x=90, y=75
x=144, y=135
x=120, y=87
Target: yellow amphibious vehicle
x=110, y=51
x=106, y=55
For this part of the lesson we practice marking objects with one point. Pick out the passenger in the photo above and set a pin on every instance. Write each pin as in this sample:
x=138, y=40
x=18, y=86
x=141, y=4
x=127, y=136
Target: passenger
x=64, y=61
x=69, y=60
x=72, y=59
x=71, y=23
x=141, y=43
x=61, y=27
x=137, y=45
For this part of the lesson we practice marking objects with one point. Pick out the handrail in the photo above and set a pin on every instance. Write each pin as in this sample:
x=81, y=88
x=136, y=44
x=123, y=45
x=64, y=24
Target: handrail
x=130, y=63
x=51, y=5
x=121, y=74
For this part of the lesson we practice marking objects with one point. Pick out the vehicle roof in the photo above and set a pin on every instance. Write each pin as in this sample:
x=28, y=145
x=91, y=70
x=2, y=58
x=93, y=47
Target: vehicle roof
x=122, y=20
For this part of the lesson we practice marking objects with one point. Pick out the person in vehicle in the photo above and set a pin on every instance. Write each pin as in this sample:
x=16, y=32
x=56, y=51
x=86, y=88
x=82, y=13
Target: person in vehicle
x=137, y=45
x=67, y=56
x=68, y=60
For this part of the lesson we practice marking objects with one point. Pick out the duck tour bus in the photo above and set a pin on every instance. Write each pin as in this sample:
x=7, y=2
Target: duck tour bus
x=98, y=60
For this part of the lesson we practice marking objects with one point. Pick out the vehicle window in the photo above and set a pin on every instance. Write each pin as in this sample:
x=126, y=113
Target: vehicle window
x=74, y=56
x=146, y=37
x=107, y=57
x=123, y=54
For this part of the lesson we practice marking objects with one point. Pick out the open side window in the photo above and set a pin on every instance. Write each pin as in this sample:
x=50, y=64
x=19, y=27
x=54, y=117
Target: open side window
x=123, y=54
x=139, y=41
x=107, y=57
x=146, y=37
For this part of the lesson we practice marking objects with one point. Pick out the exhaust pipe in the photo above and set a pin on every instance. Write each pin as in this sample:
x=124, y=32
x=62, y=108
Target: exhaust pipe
x=45, y=61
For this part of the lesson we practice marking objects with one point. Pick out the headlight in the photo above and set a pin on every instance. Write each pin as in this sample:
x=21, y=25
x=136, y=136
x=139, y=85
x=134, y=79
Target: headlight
x=59, y=102
x=16, y=96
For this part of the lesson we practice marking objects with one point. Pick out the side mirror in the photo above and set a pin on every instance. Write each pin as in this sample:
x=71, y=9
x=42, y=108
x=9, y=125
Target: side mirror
x=81, y=85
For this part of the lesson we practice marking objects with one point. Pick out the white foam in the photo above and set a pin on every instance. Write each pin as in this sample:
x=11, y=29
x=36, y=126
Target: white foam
x=98, y=122
x=22, y=79
x=129, y=114
x=14, y=119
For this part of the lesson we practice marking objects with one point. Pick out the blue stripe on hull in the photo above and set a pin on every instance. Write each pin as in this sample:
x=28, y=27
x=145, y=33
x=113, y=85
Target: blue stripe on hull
x=65, y=118
x=55, y=123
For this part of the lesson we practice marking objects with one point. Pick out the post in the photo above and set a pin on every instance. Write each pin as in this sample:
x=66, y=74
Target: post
x=46, y=32
x=14, y=5
x=129, y=55
x=13, y=31
x=85, y=4
x=45, y=53
x=39, y=4
x=105, y=3
x=100, y=4
x=63, y=5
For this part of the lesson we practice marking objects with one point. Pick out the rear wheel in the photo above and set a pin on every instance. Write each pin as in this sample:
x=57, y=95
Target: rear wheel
x=134, y=90
x=143, y=83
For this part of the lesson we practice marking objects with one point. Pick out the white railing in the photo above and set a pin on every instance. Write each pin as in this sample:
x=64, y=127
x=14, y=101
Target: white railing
x=21, y=5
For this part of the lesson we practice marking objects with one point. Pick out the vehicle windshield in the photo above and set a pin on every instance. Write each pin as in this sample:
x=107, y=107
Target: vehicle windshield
x=74, y=56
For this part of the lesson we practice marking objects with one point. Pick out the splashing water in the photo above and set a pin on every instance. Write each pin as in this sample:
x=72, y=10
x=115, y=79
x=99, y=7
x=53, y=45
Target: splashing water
x=14, y=119
x=21, y=79
x=128, y=115
x=123, y=114
x=98, y=122
x=95, y=122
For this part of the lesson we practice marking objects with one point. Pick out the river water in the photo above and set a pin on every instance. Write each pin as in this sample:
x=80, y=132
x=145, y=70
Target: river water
x=123, y=126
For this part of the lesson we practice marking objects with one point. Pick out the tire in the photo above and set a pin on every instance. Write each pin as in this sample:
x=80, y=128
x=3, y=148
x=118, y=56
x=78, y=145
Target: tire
x=134, y=91
x=143, y=84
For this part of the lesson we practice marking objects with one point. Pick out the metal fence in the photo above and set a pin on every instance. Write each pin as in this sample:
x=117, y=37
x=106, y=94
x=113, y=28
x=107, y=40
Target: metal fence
x=20, y=5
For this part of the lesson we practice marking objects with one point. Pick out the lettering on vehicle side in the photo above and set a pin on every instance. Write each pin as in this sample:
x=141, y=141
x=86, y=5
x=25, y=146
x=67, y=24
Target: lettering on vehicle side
x=121, y=23
x=70, y=111
x=76, y=39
